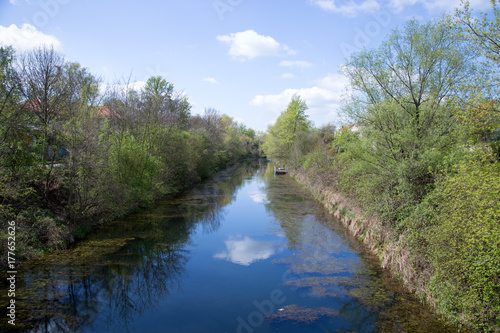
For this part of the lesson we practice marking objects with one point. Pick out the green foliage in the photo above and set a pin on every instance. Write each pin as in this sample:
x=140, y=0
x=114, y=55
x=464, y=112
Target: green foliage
x=136, y=168
x=37, y=231
x=80, y=231
x=456, y=229
x=394, y=164
x=407, y=126
x=482, y=31
x=285, y=143
x=342, y=137
x=319, y=159
x=71, y=157
x=414, y=123
x=478, y=107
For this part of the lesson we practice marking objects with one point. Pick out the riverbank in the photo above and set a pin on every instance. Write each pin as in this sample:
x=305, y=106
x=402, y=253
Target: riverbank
x=379, y=239
x=46, y=226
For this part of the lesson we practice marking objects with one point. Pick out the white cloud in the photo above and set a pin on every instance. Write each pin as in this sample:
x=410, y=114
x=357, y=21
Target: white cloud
x=333, y=82
x=137, y=86
x=436, y=5
x=210, y=80
x=288, y=76
x=248, y=45
x=26, y=38
x=351, y=8
x=314, y=96
x=354, y=7
x=399, y=5
x=322, y=99
x=297, y=63
x=13, y=2
x=246, y=251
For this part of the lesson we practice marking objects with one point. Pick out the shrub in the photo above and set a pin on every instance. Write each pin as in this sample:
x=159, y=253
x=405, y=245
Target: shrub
x=457, y=230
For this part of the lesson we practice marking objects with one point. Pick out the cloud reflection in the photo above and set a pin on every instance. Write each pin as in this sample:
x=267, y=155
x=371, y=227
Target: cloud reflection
x=259, y=197
x=246, y=251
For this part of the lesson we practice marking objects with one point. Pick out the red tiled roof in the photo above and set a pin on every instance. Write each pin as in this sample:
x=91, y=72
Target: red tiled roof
x=105, y=112
x=100, y=111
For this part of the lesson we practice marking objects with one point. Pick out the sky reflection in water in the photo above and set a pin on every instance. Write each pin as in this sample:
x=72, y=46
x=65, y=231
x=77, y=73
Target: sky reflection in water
x=246, y=251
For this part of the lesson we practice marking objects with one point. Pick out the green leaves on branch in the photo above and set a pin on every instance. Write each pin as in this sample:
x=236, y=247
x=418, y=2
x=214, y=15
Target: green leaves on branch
x=457, y=227
x=482, y=31
x=287, y=135
x=400, y=93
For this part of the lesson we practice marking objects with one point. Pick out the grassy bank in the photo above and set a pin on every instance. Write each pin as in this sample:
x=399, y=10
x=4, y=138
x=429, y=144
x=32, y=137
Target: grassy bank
x=446, y=251
x=367, y=229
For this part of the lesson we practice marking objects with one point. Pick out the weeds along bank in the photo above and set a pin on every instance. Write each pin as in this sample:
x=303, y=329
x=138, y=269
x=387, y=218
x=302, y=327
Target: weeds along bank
x=74, y=155
x=369, y=230
x=447, y=252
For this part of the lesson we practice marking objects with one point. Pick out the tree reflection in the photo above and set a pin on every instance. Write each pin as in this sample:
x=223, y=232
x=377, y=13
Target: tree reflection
x=329, y=264
x=288, y=208
x=121, y=287
x=126, y=268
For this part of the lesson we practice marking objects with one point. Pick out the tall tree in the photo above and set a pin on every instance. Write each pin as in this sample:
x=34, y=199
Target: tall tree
x=42, y=72
x=401, y=94
x=9, y=80
x=16, y=159
x=80, y=124
x=284, y=135
x=14, y=129
x=162, y=104
x=80, y=88
x=415, y=70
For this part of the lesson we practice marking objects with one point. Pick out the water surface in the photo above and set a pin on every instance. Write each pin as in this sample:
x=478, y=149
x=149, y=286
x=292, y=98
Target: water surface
x=246, y=252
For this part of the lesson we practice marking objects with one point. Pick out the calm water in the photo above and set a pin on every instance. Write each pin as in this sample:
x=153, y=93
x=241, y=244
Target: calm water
x=245, y=252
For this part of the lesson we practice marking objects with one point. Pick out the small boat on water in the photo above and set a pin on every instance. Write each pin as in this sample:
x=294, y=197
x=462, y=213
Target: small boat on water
x=280, y=171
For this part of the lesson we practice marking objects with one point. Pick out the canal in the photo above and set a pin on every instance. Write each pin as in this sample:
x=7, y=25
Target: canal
x=246, y=251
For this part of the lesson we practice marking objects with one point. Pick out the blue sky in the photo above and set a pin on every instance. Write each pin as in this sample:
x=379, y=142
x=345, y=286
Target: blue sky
x=245, y=58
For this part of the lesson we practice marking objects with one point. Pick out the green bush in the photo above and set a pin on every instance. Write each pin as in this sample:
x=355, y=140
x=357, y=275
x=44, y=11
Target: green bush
x=80, y=231
x=456, y=231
